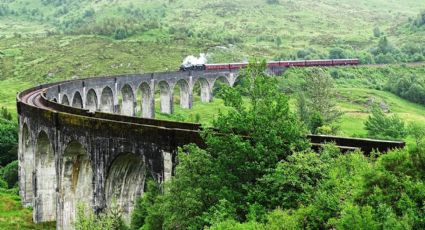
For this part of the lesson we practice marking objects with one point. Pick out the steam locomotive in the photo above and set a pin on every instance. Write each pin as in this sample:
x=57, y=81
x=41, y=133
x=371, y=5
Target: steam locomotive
x=271, y=64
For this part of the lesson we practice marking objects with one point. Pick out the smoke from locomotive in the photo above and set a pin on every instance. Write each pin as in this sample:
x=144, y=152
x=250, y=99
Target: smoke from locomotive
x=193, y=63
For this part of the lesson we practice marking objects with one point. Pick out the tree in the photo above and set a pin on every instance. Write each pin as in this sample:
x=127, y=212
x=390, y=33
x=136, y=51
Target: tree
x=8, y=142
x=88, y=220
x=245, y=144
x=278, y=42
x=376, y=32
x=272, y=2
x=9, y=173
x=337, y=53
x=417, y=131
x=378, y=125
x=292, y=182
x=5, y=114
x=420, y=19
x=316, y=100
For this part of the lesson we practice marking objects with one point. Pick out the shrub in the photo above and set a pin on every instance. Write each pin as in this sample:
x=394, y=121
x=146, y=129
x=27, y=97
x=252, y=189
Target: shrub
x=378, y=125
x=9, y=173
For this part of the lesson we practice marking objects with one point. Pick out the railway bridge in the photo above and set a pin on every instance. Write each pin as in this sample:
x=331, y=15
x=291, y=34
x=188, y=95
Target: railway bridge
x=93, y=141
x=81, y=142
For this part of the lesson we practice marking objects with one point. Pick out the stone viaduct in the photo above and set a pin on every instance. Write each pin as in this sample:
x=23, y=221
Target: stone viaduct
x=92, y=141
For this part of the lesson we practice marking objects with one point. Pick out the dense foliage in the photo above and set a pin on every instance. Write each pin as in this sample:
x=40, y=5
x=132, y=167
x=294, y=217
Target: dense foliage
x=214, y=184
x=385, y=127
x=88, y=220
x=410, y=87
x=8, y=138
x=316, y=102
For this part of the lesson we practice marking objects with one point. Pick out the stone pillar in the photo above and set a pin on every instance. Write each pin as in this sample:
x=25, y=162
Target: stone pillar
x=151, y=109
x=185, y=96
x=166, y=99
x=84, y=97
x=168, y=165
x=232, y=79
x=206, y=92
x=26, y=165
x=128, y=101
x=45, y=181
x=115, y=96
x=209, y=97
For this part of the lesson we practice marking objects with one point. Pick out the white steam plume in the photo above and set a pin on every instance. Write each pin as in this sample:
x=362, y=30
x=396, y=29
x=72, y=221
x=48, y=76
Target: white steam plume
x=192, y=60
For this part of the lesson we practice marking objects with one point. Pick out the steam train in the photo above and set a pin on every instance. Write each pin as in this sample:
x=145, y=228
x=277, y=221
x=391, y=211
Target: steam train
x=272, y=64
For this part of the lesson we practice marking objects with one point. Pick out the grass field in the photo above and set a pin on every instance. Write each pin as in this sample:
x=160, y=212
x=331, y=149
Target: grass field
x=13, y=216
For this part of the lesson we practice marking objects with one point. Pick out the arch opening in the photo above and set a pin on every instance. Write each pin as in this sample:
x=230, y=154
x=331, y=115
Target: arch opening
x=107, y=100
x=91, y=100
x=65, y=100
x=125, y=181
x=77, y=182
x=77, y=100
x=45, y=180
x=127, y=102
x=218, y=84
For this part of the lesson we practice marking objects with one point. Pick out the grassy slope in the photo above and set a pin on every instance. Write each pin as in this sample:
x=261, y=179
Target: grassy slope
x=300, y=24
x=13, y=216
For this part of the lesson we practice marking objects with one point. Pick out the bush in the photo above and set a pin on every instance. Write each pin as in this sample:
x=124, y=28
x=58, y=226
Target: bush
x=376, y=32
x=111, y=219
x=410, y=87
x=379, y=125
x=9, y=173
x=420, y=19
x=337, y=53
x=8, y=142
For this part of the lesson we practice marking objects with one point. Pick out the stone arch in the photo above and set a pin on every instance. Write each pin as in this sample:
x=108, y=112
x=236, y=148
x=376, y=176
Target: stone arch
x=26, y=164
x=125, y=181
x=202, y=88
x=147, y=102
x=76, y=182
x=166, y=97
x=184, y=94
x=128, y=100
x=77, y=100
x=65, y=100
x=107, y=100
x=91, y=100
x=45, y=180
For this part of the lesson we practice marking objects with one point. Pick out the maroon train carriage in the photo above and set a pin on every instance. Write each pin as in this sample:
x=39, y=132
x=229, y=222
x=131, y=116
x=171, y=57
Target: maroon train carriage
x=326, y=62
x=292, y=63
x=346, y=61
x=233, y=66
x=216, y=66
x=274, y=64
